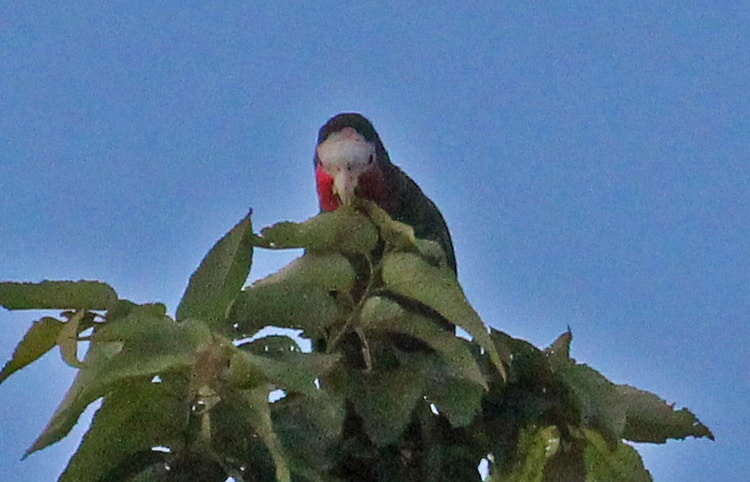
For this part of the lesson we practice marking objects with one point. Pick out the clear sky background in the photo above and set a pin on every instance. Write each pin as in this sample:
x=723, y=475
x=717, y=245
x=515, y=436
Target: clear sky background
x=591, y=159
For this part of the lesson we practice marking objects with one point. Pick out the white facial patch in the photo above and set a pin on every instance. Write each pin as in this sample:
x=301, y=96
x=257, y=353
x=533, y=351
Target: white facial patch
x=345, y=156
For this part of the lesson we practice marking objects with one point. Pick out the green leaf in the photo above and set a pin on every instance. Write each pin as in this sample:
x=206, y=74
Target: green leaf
x=327, y=271
x=135, y=416
x=606, y=463
x=293, y=371
x=284, y=305
x=409, y=275
x=528, y=363
x=137, y=345
x=601, y=406
x=559, y=351
x=651, y=419
x=270, y=345
x=84, y=295
x=86, y=388
x=457, y=398
x=259, y=415
x=432, y=252
x=67, y=339
x=40, y=339
x=220, y=276
x=385, y=401
x=395, y=233
x=148, y=345
x=345, y=230
x=380, y=313
x=309, y=429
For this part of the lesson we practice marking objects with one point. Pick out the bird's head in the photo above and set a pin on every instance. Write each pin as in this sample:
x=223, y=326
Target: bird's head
x=349, y=162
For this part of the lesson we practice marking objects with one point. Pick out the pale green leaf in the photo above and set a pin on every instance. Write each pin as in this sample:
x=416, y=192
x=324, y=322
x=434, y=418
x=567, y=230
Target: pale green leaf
x=536, y=446
x=40, y=339
x=83, y=295
x=284, y=305
x=220, y=276
x=328, y=271
x=345, y=230
x=606, y=463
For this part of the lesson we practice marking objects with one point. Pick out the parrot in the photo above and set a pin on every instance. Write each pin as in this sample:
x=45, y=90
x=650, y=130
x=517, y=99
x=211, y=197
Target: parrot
x=351, y=161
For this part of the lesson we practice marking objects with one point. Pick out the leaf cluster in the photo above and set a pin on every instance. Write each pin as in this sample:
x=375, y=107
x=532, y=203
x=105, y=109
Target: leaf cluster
x=389, y=392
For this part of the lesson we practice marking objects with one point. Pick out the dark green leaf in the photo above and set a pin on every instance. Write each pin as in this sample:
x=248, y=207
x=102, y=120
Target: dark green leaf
x=134, y=417
x=40, y=339
x=651, y=419
x=385, y=401
x=457, y=398
x=84, y=295
x=559, y=351
x=259, y=415
x=601, y=406
x=527, y=362
x=220, y=276
x=270, y=345
x=230, y=431
x=293, y=371
x=309, y=428
x=409, y=275
x=345, y=230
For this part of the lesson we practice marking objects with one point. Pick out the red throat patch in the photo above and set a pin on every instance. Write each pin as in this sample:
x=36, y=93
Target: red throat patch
x=329, y=201
x=372, y=186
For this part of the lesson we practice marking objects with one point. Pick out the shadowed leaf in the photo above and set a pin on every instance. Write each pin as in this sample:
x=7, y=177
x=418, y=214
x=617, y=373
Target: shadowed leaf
x=385, y=401
x=601, y=406
x=309, y=429
x=409, y=275
x=135, y=416
x=293, y=371
x=381, y=313
x=259, y=415
x=651, y=419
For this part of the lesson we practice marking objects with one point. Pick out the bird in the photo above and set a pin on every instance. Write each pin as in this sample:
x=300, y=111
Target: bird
x=351, y=161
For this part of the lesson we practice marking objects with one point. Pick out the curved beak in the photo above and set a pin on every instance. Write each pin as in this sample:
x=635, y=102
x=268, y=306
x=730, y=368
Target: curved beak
x=345, y=156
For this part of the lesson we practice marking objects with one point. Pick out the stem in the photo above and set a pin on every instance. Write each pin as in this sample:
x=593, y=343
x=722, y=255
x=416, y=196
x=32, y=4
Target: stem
x=357, y=311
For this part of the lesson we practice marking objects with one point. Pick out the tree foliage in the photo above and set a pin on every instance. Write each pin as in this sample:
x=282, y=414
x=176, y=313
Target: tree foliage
x=388, y=392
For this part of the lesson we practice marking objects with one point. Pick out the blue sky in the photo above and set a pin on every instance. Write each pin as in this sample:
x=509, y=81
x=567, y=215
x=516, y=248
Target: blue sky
x=590, y=159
